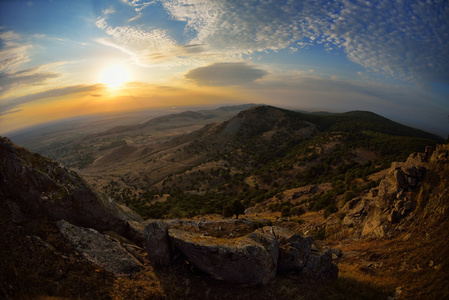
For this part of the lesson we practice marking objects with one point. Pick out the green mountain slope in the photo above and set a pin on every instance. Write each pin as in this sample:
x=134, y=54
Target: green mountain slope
x=255, y=155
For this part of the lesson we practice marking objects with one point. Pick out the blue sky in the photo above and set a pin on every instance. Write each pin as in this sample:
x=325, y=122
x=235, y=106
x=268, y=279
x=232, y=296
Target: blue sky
x=62, y=59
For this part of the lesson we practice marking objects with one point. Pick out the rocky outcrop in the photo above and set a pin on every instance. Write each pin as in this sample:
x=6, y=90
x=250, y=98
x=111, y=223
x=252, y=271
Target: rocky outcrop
x=242, y=260
x=380, y=210
x=254, y=258
x=157, y=243
x=100, y=249
x=43, y=188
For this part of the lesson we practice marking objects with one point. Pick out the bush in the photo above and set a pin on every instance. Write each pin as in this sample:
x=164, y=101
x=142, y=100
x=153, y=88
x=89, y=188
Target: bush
x=332, y=208
x=285, y=212
x=234, y=208
x=297, y=211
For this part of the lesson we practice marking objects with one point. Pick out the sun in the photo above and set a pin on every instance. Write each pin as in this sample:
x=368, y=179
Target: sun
x=114, y=75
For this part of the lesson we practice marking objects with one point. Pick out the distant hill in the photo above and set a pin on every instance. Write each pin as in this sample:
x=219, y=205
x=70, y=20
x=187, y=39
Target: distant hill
x=170, y=121
x=254, y=155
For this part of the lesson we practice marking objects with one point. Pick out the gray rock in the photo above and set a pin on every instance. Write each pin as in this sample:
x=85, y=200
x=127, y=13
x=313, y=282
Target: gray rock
x=14, y=209
x=266, y=237
x=294, y=250
x=42, y=187
x=401, y=179
x=157, y=242
x=99, y=249
x=241, y=260
x=337, y=252
x=412, y=171
x=320, y=266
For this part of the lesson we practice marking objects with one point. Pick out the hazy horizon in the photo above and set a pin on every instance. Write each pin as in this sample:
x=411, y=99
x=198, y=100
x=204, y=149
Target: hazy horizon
x=61, y=60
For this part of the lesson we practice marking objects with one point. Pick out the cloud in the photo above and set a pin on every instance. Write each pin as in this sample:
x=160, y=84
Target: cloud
x=109, y=11
x=11, y=80
x=224, y=74
x=138, y=5
x=12, y=53
x=148, y=46
x=404, y=39
x=10, y=112
x=10, y=104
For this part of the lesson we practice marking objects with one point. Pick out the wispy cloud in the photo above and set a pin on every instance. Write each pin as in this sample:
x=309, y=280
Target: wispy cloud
x=27, y=77
x=148, y=46
x=224, y=74
x=10, y=104
x=138, y=5
x=13, y=54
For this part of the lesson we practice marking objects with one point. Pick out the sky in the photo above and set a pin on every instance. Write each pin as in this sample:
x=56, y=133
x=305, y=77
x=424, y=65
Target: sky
x=61, y=59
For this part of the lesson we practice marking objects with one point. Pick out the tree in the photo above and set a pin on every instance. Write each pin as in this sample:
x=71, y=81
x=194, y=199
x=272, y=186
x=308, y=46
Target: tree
x=233, y=208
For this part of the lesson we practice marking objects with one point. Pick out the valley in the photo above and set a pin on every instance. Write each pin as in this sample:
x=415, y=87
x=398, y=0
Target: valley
x=356, y=183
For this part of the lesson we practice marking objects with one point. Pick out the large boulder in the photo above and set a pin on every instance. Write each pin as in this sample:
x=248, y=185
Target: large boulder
x=320, y=266
x=241, y=260
x=100, y=249
x=294, y=250
x=42, y=187
x=157, y=242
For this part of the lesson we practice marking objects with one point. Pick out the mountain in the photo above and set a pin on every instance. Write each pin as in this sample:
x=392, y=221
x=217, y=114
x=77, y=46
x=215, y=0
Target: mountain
x=254, y=155
x=76, y=143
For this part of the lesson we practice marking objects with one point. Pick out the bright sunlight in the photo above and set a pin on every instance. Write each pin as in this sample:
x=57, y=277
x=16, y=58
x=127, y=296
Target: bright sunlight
x=114, y=75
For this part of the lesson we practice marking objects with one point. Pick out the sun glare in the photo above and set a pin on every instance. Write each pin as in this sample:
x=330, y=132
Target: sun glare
x=114, y=75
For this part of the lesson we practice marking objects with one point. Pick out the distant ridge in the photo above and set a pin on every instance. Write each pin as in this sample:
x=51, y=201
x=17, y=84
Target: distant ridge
x=172, y=120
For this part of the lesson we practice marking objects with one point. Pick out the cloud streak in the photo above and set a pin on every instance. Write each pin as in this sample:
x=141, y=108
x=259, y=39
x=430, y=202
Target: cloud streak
x=13, y=54
x=147, y=46
x=10, y=104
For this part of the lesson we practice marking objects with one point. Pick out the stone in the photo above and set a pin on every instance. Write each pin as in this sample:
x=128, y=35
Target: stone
x=412, y=171
x=266, y=237
x=337, y=252
x=374, y=225
x=241, y=260
x=409, y=206
x=320, y=266
x=412, y=181
x=42, y=187
x=294, y=250
x=401, y=179
x=394, y=217
x=157, y=243
x=99, y=249
x=15, y=211
x=398, y=205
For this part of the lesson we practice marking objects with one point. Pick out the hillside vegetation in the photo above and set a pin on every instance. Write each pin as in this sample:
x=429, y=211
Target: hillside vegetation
x=409, y=261
x=253, y=157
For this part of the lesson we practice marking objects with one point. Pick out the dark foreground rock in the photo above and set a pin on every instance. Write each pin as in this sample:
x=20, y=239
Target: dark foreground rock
x=40, y=187
x=100, y=249
x=241, y=260
x=252, y=259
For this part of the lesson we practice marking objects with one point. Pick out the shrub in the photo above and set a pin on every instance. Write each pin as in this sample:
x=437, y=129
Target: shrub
x=233, y=208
